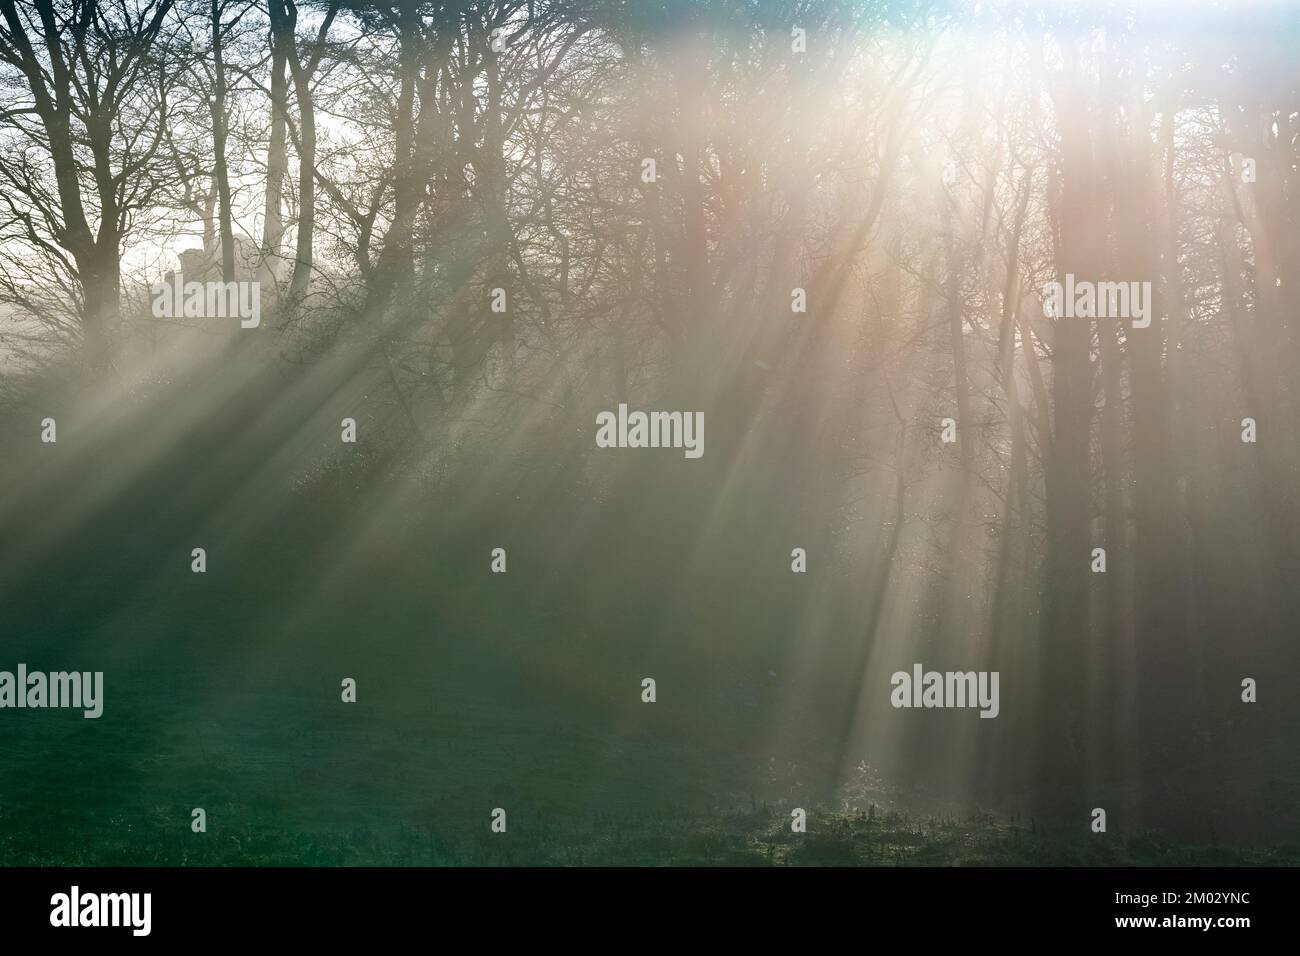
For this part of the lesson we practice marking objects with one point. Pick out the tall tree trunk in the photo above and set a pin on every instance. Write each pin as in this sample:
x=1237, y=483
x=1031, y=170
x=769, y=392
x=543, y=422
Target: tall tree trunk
x=302, y=72
x=1161, y=625
x=277, y=161
x=1066, y=626
x=220, y=121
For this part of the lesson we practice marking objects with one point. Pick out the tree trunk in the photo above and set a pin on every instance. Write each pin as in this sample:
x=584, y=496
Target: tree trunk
x=1066, y=625
x=277, y=161
x=219, y=169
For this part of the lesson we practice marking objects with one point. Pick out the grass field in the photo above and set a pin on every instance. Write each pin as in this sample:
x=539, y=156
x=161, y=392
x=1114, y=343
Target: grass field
x=222, y=691
x=288, y=775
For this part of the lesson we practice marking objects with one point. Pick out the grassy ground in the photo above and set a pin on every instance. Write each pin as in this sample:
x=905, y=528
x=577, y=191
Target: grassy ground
x=222, y=691
x=410, y=774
